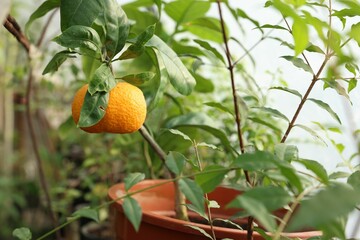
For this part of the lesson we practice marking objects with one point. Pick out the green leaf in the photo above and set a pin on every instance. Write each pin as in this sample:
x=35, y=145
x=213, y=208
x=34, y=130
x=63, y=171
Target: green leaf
x=355, y=32
x=354, y=180
x=286, y=152
x=115, y=23
x=87, y=212
x=209, y=181
x=208, y=47
x=183, y=135
x=265, y=123
x=175, y=162
x=271, y=197
x=58, y=59
x=178, y=74
x=102, y=81
x=273, y=27
x=133, y=212
x=299, y=63
x=137, y=48
x=80, y=37
x=203, y=85
x=255, y=161
x=273, y=112
x=194, y=194
x=352, y=84
x=300, y=35
x=106, y=16
x=325, y=206
x=79, y=12
x=290, y=173
x=285, y=89
x=22, y=233
x=219, y=106
x=93, y=109
x=132, y=179
x=201, y=121
x=139, y=78
x=207, y=28
x=202, y=231
x=183, y=11
x=43, y=9
x=316, y=168
x=89, y=65
x=312, y=132
x=326, y=107
x=258, y=210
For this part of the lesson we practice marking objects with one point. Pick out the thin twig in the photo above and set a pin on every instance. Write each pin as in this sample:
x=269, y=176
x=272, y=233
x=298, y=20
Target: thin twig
x=236, y=107
x=45, y=28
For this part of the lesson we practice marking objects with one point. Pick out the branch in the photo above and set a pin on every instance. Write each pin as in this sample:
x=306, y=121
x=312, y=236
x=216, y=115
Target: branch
x=13, y=27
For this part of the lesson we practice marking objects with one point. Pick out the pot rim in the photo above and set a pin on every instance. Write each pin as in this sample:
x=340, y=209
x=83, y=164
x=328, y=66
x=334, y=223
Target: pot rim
x=165, y=219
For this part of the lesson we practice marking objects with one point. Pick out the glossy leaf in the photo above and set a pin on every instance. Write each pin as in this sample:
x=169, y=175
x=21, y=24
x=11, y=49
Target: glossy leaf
x=106, y=16
x=324, y=207
x=209, y=181
x=286, y=152
x=57, y=60
x=183, y=11
x=208, y=47
x=22, y=233
x=93, y=109
x=206, y=28
x=116, y=26
x=133, y=178
x=285, y=89
x=354, y=180
x=179, y=133
x=179, y=76
x=300, y=35
x=175, y=162
x=79, y=12
x=139, y=78
x=316, y=168
x=352, y=84
x=193, y=193
x=219, y=106
x=89, y=65
x=312, y=132
x=290, y=173
x=202, y=231
x=299, y=63
x=87, y=212
x=137, y=47
x=102, y=81
x=80, y=37
x=271, y=197
x=258, y=210
x=326, y=107
x=203, y=122
x=274, y=112
x=256, y=161
x=43, y=9
x=133, y=212
x=355, y=32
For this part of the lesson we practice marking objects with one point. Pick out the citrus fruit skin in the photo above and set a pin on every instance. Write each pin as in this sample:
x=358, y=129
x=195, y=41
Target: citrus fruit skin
x=125, y=113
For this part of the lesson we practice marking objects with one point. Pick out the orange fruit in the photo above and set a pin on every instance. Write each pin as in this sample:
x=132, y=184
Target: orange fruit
x=125, y=113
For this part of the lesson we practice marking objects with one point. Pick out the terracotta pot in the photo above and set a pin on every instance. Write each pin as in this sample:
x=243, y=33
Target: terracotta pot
x=158, y=210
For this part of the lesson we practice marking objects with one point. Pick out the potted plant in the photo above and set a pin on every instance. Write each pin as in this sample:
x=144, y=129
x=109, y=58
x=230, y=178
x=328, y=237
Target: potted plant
x=232, y=144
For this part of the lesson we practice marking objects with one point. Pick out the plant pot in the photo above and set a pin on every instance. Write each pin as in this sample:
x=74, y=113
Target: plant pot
x=158, y=222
